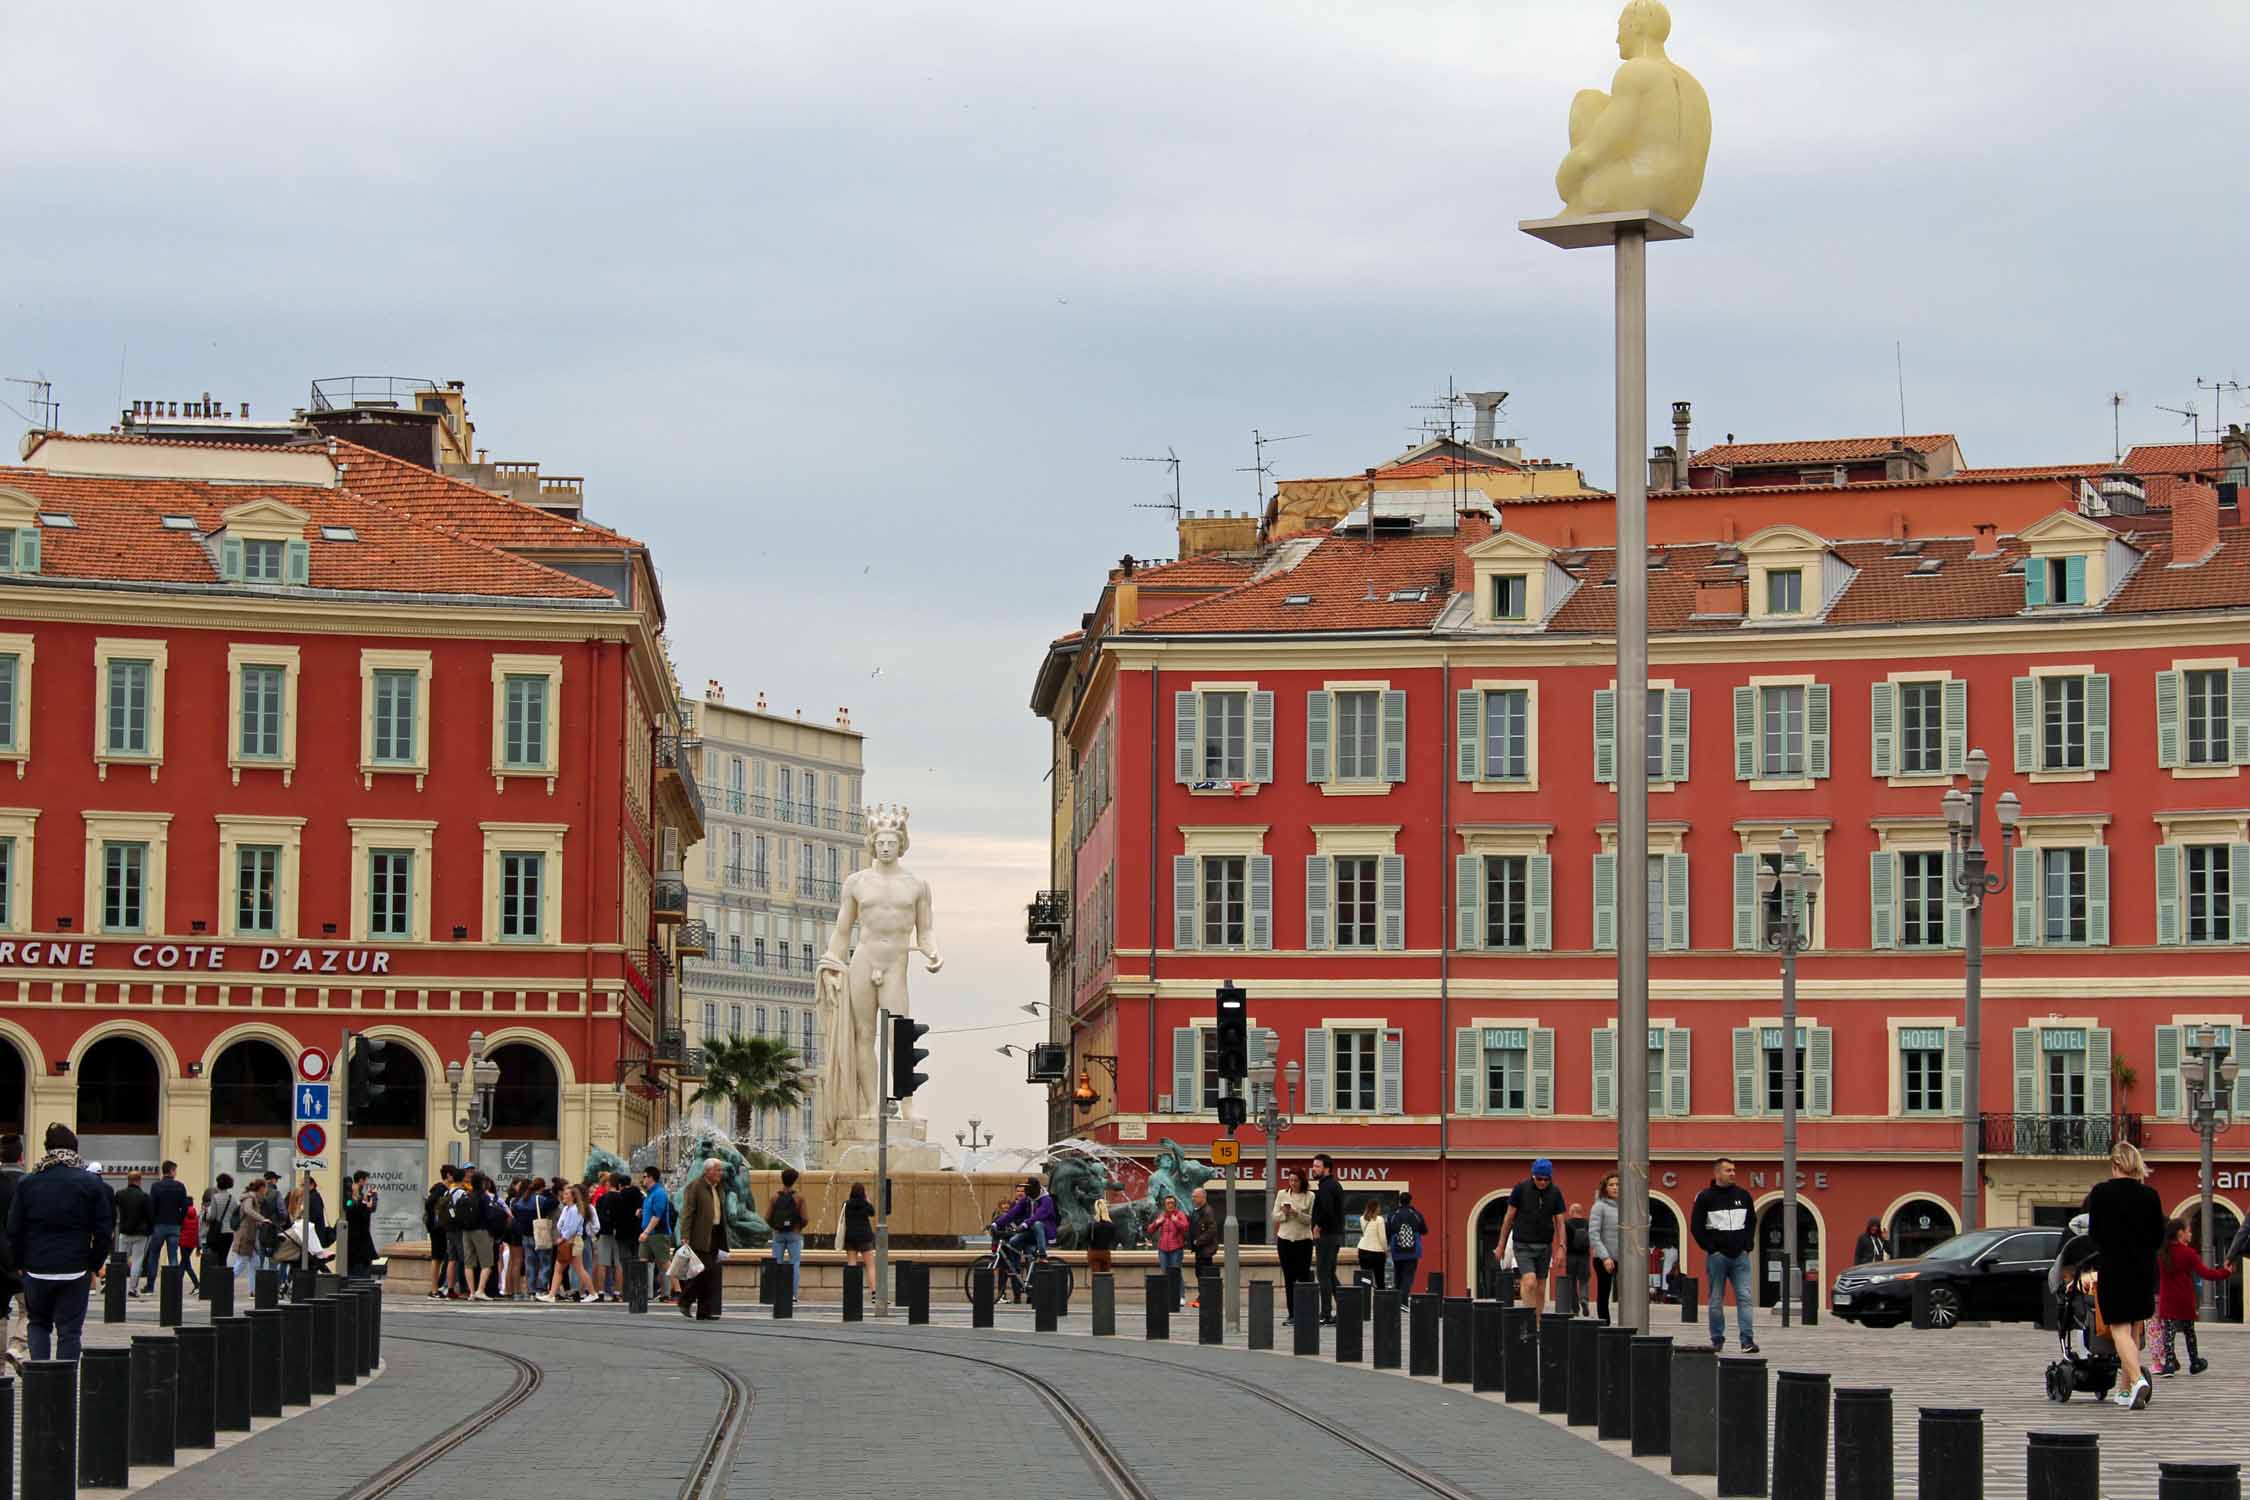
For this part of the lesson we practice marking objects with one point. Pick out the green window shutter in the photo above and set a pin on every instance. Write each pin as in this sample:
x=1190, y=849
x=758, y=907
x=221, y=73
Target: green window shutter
x=2097, y=896
x=1956, y=906
x=1468, y=725
x=1316, y=1070
x=1746, y=902
x=1183, y=901
x=1186, y=732
x=1261, y=902
x=1391, y=913
x=1539, y=897
x=2167, y=719
x=1882, y=720
x=2168, y=893
x=27, y=549
x=1679, y=1074
x=2027, y=1071
x=1316, y=902
x=2238, y=890
x=230, y=559
x=2098, y=1055
x=1319, y=718
x=1187, y=1072
x=296, y=564
x=1605, y=903
x=1468, y=1062
x=1394, y=736
x=2074, y=580
x=1605, y=734
x=2238, y=714
x=2027, y=723
x=1390, y=1072
x=2027, y=898
x=1820, y=1065
x=1468, y=901
x=1261, y=737
x=1745, y=1071
x=1882, y=899
x=1676, y=902
x=1605, y=1070
x=1956, y=727
x=2034, y=582
x=1956, y=1069
x=2170, y=1096
x=2097, y=721
x=1745, y=733
x=1816, y=730
x=1676, y=734
x=1542, y=1101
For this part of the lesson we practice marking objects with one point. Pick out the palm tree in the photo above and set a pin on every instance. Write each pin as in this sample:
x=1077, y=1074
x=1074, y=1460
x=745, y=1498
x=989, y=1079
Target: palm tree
x=750, y=1073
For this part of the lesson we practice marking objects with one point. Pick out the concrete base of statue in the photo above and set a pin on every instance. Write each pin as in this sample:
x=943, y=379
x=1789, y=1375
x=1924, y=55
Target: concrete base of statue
x=851, y=1146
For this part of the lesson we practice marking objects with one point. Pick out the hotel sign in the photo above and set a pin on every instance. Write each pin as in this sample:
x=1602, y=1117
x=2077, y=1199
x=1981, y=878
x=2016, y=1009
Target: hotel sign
x=211, y=958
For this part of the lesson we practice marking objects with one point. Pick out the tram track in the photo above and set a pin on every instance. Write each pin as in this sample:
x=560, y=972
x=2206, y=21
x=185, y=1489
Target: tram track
x=528, y=1377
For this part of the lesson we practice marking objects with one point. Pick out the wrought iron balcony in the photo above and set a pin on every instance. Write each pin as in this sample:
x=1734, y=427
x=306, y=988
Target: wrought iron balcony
x=1046, y=916
x=668, y=903
x=694, y=939
x=2058, y=1135
x=675, y=776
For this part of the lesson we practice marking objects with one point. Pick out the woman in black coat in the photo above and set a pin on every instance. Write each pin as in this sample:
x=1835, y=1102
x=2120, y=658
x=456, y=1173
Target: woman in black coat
x=359, y=1229
x=2126, y=1221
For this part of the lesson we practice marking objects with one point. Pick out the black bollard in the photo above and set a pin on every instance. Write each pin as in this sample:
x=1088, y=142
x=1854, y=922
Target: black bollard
x=155, y=1380
x=268, y=1352
x=1488, y=1348
x=1261, y=1314
x=1554, y=1361
x=1504, y=1289
x=1436, y=1284
x=1351, y=1325
x=1453, y=1345
x=1695, y=1409
x=1950, y=1453
x=1652, y=1395
x=50, y=1430
x=375, y=1327
x=1800, y=1436
x=347, y=1338
x=170, y=1283
x=195, y=1423
x=855, y=1293
x=1613, y=1361
x=1690, y=1294
x=230, y=1374
x=1519, y=1359
x=1157, y=1305
x=784, y=1292
x=265, y=1289
x=1864, y=1466
x=218, y=1290
x=301, y=1283
x=296, y=1354
x=105, y=1378
x=1811, y=1300
x=1386, y=1341
x=2198, y=1481
x=1742, y=1427
x=323, y=1355
x=766, y=1269
x=1422, y=1334
x=363, y=1300
x=1105, y=1307
x=1584, y=1399
x=114, y=1287
x=1304, y=1320
x=981, y=1293
x=1210, y=1311
x=917, y=1275
x=2062, y=1466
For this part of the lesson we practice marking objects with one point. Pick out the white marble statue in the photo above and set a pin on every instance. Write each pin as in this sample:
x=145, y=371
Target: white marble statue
x=891, y=908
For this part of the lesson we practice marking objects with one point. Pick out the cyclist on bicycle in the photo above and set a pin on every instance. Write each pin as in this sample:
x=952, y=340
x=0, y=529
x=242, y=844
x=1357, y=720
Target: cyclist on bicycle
x=1020, y=1237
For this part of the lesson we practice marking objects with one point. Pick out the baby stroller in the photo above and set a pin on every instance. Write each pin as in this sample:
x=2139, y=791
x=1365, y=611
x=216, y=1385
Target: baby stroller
x=2089, y=1358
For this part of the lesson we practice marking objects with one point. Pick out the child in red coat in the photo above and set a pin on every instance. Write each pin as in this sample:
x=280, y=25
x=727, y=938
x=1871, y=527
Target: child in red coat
x=2177, y=1266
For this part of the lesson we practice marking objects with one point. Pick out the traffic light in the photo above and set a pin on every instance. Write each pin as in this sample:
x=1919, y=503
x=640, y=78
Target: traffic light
x=1234, y=1032
x=905, y=1056
x=363, y=1072
x=1234, y=1112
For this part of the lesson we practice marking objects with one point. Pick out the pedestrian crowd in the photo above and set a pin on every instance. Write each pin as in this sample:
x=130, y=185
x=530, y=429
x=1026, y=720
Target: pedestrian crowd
x=542, y=1241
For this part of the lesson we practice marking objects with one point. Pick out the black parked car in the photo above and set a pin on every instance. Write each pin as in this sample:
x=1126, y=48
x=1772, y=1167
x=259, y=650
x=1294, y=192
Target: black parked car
x=1991, y=1275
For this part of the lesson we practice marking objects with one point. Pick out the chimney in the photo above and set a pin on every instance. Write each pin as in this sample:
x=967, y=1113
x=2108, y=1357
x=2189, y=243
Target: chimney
x=1720, y=597
x=1487, y=405
x=1680, y=450
x=2234, y=450
x=1473, y=526
x=761, y=703
x=713, y=690
x=2195, y=524
x=1898, y=526
x=1663, y=470
x=1988, y=540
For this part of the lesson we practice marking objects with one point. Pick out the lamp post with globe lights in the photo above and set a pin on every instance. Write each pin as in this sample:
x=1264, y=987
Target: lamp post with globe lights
x=1798, y=885
x=1974, y=879
x=2209, y=1071
x=483, y=1076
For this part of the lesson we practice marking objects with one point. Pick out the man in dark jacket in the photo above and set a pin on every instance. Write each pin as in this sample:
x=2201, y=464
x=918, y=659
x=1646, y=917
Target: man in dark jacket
x=1873, y=1244
x=168, y=1206
x=1721, y=1222
x=136, y=1220
x=60, y=1227
x=1204, y=1230
x=619, y=1214
x=1327, y=1218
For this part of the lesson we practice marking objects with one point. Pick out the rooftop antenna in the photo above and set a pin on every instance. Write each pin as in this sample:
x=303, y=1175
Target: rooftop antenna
x=1260, y=469
x=39, y=395
x=1898, y=365
x=2116, y=426
x=2189, y=415
x=1171, y=458
x=2218, y=390
x=1450, y=404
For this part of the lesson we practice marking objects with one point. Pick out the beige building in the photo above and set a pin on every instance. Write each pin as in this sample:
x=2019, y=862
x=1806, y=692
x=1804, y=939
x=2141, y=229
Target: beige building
x=783, y=830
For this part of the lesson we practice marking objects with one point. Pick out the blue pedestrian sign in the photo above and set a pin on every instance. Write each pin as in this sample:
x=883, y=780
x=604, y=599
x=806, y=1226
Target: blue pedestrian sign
x=312, y=1101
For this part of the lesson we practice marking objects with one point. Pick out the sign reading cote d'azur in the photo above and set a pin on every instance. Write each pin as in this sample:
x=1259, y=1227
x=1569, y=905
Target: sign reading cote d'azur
x=205, y=957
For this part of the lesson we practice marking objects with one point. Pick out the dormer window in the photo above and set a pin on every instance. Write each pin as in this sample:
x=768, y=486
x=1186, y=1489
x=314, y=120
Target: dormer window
x=1518, y=583
x=1785, y=591
x=1511, y=594
x=2073, y=563
x=261, y=562
x=2054, y=580
x=262, y=542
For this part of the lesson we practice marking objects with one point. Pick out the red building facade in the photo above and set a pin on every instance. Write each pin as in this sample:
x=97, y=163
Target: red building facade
x=1371, y=781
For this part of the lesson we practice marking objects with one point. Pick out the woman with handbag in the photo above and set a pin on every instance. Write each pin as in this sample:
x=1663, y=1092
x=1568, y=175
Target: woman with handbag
x=569, y=1222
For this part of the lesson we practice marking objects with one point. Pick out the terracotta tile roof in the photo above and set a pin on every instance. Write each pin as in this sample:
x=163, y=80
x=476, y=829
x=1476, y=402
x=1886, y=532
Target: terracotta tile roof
x=142, y=440
x=1818, y=450
x=120, y=536
x=1760, y=491
x=2033, y=471
x=439, y=500
x=1213, y=570
x=1431, y=468
x=2172, y=458
x=1335, y=577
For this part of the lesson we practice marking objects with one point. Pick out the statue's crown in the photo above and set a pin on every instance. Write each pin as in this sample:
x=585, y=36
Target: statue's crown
x=887, y=818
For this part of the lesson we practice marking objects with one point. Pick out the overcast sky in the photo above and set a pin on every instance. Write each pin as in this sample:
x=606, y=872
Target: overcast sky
x=851, y=310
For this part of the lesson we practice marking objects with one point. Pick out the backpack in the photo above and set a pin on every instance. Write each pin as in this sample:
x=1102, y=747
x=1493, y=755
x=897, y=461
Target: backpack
x=464, y=1215
x=788, y=1218
x=1406, y=1239
x=496, y=1216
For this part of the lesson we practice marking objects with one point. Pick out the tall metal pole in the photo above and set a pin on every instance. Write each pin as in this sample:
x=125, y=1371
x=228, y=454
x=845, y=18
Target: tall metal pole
x=882, y=1162
x=1791, y=938
x=1231, y=1234
x=1632, y=769
x=2205, y=1292
x=1972, y=1017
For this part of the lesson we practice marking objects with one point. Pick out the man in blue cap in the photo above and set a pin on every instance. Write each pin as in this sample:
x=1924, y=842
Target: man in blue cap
x=1534, y=1208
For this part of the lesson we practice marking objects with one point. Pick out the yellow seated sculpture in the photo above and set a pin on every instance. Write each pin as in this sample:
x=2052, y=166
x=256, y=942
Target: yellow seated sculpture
x=1642, y=145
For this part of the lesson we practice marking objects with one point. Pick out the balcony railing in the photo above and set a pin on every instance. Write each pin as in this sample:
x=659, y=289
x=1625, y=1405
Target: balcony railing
x=668, y=903
x=2058, y=1135
x=1045, y=917
x=694, y=939
x=675, y=756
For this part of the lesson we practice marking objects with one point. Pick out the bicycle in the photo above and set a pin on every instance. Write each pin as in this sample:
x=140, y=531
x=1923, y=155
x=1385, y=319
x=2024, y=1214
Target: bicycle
x=1012, y=1267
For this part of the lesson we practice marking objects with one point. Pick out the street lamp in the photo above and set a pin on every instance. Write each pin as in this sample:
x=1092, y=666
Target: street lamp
x=1275, y=1123
x=2209, y=1113
x=1791, y=932
x=483, y=1077
x=972, y=1141
x=1974, y=879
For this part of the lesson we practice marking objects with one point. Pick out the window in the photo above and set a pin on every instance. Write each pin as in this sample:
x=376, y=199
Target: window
x=1666, y=883
x=2208, y=720
x=1511, y=596
x=1507, y=735
x=1225, y=901
x=524, y=704
x=126, y=706
x=758, y=1019
x=521, y=879
x=1921, y=899
x=805, y=952
x=758, y=950
x=1785, y=591
x=1654, y=740
x=1921, y=1070
x=2063, y=895
x=257, y=890
x=397, y=695
x=10, y=665
x=1921, y=728
x=1507, y=912
x=1225, y=737
x=2210, y=894
x=710, y=1018
x=1355, y=1072
x=1770, y=1052
x=804, y=869
x=734, y=949
x=261, y=562
x=390, y=893
x=2055, y=580
x=2065, y=1071
x=760, y=874
x=124, y=887
x=1207, y=1046
x=2062, y=723
x=1664, y=738
x=1356, y=902
x=1781, y=732
x=1504, y=1070
x=264, y=690
x=1359, y=725
x=835, y=870
x=1507, y=1069
x=805, y=1048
